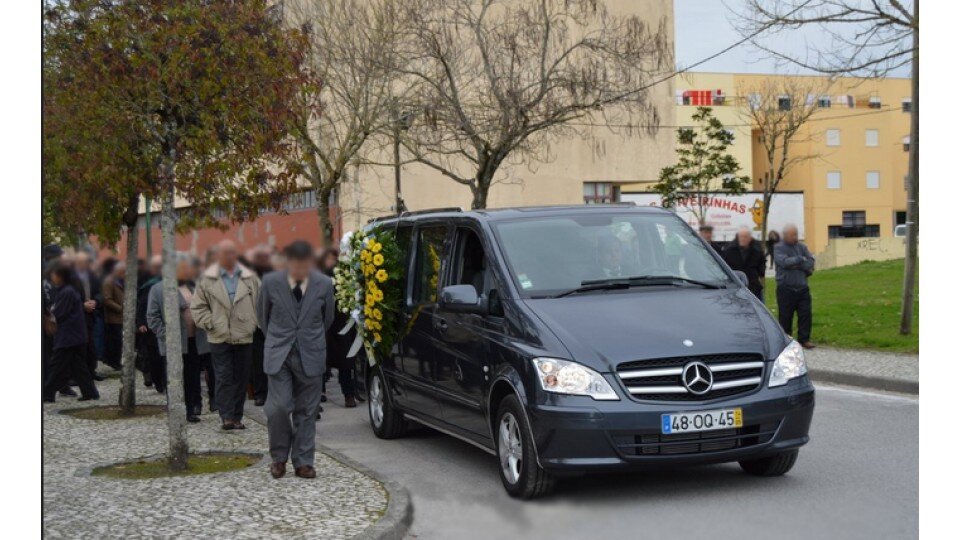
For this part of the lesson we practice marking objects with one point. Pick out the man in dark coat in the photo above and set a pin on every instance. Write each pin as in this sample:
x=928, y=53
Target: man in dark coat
x=148, y=352
x=88, y=285
x=744, y=254
x=69, y=339
x=260, y=262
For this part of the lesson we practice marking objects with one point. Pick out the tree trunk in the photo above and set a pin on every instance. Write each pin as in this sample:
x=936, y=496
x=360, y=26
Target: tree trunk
x=481, y=189
x=323, y=214
x=128, y=376
x=913, y=188
x=176, y=413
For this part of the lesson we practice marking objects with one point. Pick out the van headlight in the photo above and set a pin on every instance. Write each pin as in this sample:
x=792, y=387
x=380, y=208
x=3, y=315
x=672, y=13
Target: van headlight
x=789, y=365
x=566, y=377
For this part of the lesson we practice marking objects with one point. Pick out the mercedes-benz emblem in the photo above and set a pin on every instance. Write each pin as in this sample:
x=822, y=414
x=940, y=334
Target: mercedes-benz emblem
x=698, y=378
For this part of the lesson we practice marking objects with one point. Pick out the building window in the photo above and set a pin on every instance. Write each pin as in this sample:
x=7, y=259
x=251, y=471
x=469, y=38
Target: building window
x=754, y=100
x=701, y=98
x=846, y=100
x=873, y=179
x=833, y=180
x=873, y=138
x=783, y=103
x=833, y=137
x=600, y=193
x=906, y=181
x=824, y=102
x=906, y=143
x=875, y=102
x=854, y=226
x=906, y=105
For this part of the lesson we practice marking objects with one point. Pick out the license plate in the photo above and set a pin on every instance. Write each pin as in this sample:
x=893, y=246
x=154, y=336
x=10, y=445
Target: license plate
x=690, y=422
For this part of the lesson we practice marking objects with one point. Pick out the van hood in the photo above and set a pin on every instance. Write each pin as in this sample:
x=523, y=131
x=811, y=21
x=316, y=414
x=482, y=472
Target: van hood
x=603, y=329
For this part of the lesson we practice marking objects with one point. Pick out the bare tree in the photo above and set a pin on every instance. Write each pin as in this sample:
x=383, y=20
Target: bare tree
x=350, y=95
x=865, y=38
x=501, y=77
x=778, y=108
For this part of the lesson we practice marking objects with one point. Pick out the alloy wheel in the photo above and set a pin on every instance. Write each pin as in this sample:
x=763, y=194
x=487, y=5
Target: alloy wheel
x=510, y=448
x=375, y=401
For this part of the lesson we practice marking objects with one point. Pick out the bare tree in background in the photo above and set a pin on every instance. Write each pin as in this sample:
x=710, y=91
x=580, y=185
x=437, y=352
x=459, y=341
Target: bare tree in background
x=865, y=38
x=350, y=95
x=501, y=77
x=778, y=108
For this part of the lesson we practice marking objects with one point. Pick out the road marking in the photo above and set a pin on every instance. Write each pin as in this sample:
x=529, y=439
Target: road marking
x=862, y=392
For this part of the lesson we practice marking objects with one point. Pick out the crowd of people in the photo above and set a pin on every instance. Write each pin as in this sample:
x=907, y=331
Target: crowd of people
x=221, y=341
x=793, y=264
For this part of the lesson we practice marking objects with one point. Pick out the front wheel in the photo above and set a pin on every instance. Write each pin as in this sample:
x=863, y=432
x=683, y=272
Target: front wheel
x=520, y=473
x=387, y=422
x=777, y=465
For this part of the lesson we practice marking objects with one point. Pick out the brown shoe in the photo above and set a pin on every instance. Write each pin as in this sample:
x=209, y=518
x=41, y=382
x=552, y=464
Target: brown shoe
x=306, y=471
x=238, y=425
x=349, y=402
x=808, y=345
x=227, y=425
x=278, y=469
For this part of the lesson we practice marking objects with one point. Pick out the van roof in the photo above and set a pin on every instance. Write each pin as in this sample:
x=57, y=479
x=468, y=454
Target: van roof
x=496, y=214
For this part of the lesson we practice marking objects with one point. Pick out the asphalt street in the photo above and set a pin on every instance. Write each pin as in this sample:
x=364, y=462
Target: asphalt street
x=857, y=478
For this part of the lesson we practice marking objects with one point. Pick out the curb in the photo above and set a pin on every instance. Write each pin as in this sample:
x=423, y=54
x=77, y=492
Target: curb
x=395, y=522
x=866, y=381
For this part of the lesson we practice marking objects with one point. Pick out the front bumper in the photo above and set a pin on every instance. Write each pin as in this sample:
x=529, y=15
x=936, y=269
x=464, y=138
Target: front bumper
x=575, y=433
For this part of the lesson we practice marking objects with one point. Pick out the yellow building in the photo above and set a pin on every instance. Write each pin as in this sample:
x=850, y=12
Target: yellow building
x=855, y=148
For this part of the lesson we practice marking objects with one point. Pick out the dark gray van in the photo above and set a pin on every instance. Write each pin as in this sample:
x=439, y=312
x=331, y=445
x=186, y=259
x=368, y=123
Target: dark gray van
x=566, y=340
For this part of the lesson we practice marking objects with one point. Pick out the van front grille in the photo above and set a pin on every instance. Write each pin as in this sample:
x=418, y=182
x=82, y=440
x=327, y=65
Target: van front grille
x=652, y=443
x=661, y=379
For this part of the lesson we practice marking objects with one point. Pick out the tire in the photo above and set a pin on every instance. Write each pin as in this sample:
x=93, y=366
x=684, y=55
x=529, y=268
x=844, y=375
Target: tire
x=385, y=420
x=520, y=473
x=777, y=465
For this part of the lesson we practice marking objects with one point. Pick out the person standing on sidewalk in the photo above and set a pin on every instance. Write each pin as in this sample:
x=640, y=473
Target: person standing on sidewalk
x=224, y=305
x=69, y=339
x=92, y=298
x=295, y=311
x=260, y=260
x=113, y=315
x=193, y=340
x=744, y=254
x=794, y=265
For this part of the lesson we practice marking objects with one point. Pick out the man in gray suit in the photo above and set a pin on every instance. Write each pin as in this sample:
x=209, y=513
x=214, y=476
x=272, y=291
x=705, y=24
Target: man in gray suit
x=295, y=311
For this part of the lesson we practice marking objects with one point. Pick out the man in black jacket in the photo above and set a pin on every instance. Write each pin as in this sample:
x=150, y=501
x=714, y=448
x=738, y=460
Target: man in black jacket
x=744, y=254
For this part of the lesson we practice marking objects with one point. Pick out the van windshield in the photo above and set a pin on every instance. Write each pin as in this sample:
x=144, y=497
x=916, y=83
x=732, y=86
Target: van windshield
x=550, y=256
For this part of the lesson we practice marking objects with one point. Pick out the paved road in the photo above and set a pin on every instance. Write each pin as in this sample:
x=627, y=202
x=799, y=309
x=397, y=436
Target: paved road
x=858, y=478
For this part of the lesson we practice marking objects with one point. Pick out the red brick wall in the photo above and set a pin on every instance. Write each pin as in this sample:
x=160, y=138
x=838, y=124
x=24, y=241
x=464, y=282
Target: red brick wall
x=271, y=229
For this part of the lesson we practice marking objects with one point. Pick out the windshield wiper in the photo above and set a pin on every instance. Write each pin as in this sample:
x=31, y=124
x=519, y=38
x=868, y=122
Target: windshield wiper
x=597, y=285
x=636, y=280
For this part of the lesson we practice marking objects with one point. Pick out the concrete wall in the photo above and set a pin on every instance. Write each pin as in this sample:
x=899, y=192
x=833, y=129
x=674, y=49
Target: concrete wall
x=847, y=251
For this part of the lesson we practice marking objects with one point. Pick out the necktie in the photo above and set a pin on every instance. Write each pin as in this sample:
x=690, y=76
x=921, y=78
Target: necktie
x=297, y=291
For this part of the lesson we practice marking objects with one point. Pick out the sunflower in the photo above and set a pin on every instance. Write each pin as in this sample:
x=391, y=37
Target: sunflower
x=378, y=259
x=376, y=314
x=376, y=337
x=376, y=247
x=382, y=275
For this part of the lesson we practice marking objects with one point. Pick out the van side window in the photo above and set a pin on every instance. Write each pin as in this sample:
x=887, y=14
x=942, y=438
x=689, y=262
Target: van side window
x=470, y=266
x=429, y=256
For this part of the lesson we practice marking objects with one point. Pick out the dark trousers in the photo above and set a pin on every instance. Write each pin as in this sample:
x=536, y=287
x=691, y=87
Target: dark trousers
x=795, y=301
x=207, y=365
x=231, y=363
x=347, y=384
x=258, y=379
x=69, y=363
x=192, y=366
x=291, y=410
x=157, y=367
x=113, y=344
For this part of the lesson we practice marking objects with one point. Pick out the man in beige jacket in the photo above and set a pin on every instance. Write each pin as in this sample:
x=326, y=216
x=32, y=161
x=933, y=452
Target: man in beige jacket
x=224, y=305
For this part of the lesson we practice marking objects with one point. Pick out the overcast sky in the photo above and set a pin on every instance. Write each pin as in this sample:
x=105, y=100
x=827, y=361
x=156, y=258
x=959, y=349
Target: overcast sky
x=704, y=27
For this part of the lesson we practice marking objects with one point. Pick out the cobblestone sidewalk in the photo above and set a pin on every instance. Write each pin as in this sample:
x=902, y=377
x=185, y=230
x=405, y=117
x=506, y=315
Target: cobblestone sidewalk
x=340, y=503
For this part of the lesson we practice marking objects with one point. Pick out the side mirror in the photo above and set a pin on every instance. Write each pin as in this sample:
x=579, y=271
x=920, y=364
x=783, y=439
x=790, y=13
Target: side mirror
x=742, y=277
x=462, y=299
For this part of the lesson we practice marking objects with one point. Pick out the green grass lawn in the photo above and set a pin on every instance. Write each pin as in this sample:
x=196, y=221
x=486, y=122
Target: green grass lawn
x=858, y=307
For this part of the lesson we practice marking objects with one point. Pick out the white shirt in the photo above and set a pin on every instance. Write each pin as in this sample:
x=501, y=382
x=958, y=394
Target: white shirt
x=293, y=283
